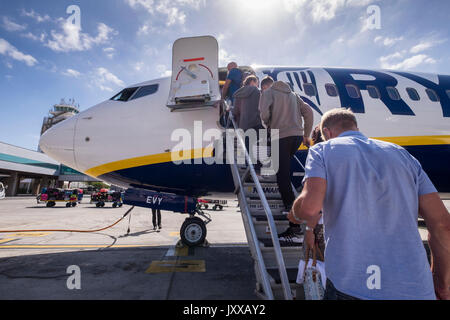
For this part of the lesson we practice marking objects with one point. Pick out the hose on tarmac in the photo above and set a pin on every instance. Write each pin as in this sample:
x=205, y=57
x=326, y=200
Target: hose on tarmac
x=70, y=230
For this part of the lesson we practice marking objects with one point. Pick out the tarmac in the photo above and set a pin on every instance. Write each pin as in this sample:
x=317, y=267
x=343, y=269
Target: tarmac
x=145, y=264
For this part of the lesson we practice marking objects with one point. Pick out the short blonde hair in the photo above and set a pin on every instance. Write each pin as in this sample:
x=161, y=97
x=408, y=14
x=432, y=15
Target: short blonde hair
x=340, y=117
x=250, y=79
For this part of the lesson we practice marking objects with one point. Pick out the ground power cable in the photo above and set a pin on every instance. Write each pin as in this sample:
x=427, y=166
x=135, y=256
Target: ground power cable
x=76, y=231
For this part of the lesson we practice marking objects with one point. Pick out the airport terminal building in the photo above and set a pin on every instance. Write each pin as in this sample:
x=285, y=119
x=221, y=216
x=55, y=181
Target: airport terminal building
x=26, y=172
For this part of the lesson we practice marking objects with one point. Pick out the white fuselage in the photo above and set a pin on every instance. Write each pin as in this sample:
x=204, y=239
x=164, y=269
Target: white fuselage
x=128, y=142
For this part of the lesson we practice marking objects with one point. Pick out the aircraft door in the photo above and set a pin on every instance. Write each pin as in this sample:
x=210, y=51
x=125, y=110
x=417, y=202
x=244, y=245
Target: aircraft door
x=195, y=74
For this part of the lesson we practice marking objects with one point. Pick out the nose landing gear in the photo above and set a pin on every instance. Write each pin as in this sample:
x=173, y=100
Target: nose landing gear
x=193, y=231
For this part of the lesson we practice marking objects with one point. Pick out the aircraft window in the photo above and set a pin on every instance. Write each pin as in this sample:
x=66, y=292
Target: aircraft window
x=310, y=89
x=145, y=91
x=448, y=93
x=393, y=93
x=331, y=90
x=432, y=95
x=373, y=92
x=124, y=95
x=413, y=94
x=353, y=91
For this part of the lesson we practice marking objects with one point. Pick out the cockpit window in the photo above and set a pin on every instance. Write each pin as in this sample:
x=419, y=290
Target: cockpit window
x=124, y=95
x=145, y=91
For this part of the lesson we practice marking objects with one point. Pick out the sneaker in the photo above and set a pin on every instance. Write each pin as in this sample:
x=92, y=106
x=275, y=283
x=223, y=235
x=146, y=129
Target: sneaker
x=160, y=227
x=263, y=178
x=291, y=236
x=154, y=228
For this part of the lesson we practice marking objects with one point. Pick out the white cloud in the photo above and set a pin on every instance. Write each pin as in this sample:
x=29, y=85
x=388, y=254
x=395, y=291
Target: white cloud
x=146, y=4
x=138, y=66
x=425, y=45
x=225, y=57
x=72, y=73
x=103, y=78
x=163, y=71
x=36, y=16
x=174, y=15
x=386, y=41
x=34, y=37
x=12, y=26
x=110, y=52
x=148, y=28
x=173, y=10
x=321, y=10
x=8, y=49
x=72, y=39
x=391, y=57
x=406, y=64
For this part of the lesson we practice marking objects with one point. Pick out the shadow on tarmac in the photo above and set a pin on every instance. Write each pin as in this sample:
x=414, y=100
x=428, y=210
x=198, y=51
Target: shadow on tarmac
x=120, y=273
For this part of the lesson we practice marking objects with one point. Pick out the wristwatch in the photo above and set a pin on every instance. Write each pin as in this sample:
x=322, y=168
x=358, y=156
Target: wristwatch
x=309, y=229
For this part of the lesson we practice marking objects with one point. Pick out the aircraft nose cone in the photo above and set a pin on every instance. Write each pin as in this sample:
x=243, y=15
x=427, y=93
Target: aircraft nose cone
x=58, y=142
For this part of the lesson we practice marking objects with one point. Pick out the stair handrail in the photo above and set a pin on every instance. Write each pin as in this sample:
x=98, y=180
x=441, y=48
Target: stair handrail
x=261, y=265
x=272, y=227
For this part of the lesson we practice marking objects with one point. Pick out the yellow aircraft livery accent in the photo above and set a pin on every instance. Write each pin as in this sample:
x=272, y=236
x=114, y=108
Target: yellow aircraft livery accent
x=150, y=159
x=207, y=153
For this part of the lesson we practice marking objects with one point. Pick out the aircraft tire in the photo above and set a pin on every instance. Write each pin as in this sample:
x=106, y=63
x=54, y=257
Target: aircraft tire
x=193, y=232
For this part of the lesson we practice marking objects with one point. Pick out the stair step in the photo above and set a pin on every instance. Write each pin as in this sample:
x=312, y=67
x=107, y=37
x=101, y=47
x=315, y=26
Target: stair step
x=291, y=256
x=267, y=243
x=265, y=179
x=256, y=207
x=263, y=231
x=276, y=218
x=291, y=273
x=270, y=191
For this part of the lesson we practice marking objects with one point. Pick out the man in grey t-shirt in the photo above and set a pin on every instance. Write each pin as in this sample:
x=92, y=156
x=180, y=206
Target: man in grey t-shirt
x=371, y=193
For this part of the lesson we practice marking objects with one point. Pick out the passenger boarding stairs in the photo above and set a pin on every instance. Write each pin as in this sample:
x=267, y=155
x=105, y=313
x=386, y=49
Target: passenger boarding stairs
x=275, y=262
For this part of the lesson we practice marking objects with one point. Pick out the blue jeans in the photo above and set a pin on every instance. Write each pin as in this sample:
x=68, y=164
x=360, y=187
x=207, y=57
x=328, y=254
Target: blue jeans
x=331, y=293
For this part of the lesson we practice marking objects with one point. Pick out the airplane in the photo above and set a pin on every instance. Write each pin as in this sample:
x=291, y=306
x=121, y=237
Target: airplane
x=127, y=140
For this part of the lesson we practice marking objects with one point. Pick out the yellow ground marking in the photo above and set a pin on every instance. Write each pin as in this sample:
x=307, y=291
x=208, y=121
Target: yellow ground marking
x=174, y=234
x=30, y=234
x=7, y=240
x=177, y=266
x=182, y=252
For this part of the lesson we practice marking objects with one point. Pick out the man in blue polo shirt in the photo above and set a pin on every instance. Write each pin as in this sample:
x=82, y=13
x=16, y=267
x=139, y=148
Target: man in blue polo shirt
x=371, y=193
x=233, y=81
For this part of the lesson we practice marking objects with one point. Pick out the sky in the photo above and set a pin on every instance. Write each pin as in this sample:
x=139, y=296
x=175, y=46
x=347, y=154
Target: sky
x=47, y=53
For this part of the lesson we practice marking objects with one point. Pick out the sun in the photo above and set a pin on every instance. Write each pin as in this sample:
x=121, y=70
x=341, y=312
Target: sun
x=256, y=8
